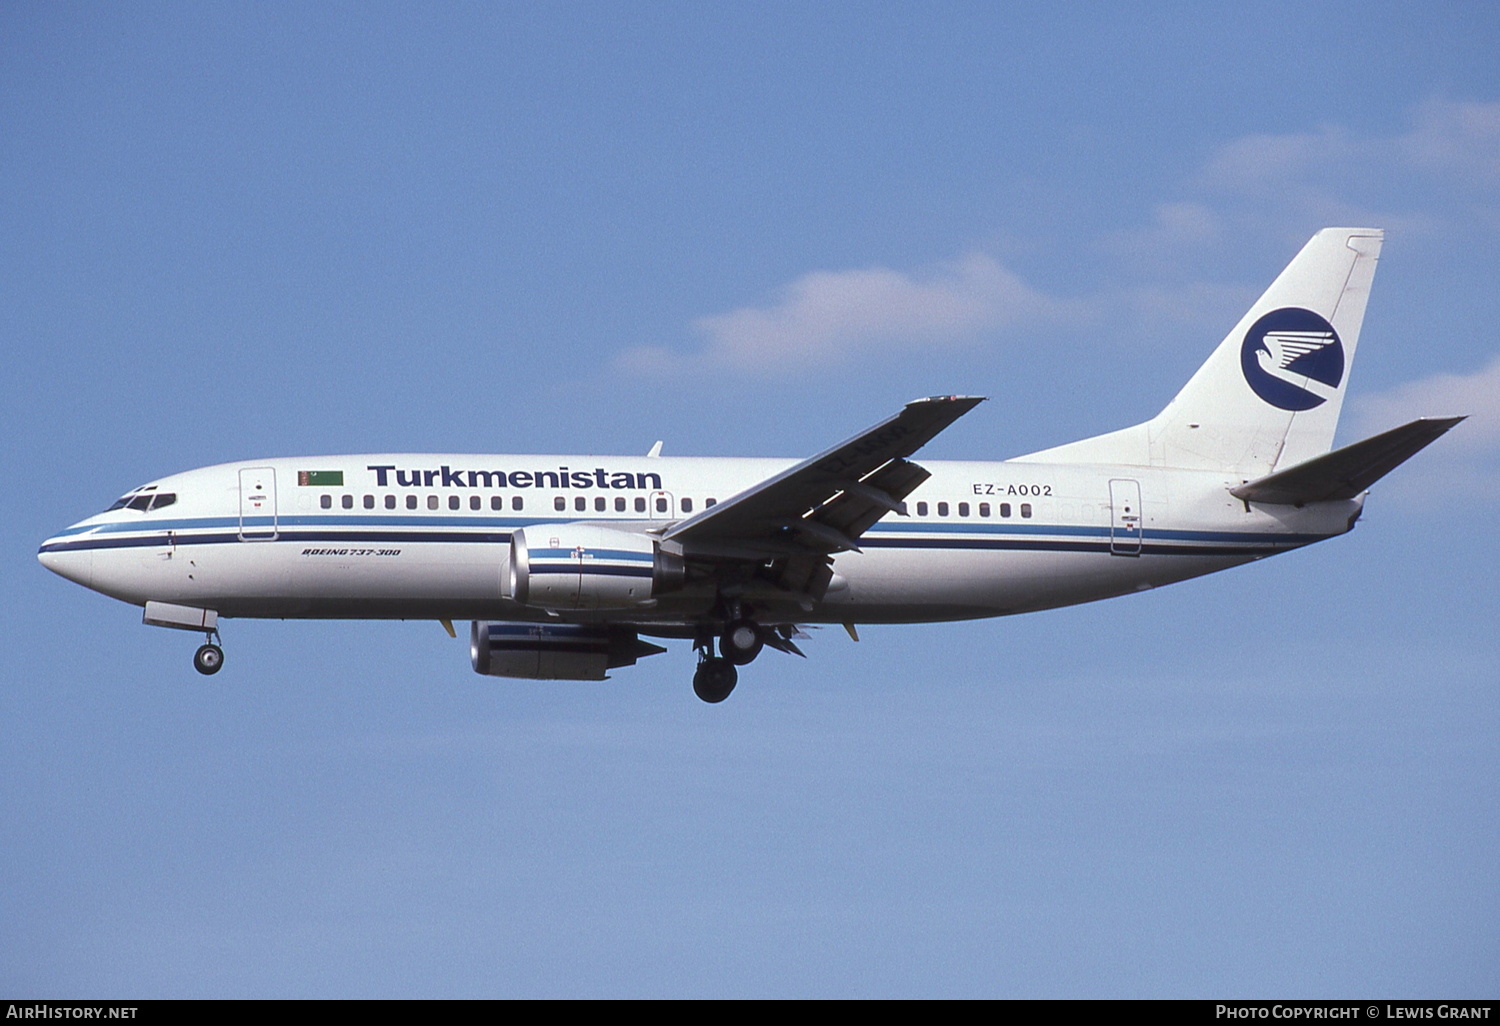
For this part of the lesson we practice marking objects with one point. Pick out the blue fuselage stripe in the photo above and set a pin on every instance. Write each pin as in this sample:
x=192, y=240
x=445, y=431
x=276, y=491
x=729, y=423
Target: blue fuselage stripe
x=1193, y=543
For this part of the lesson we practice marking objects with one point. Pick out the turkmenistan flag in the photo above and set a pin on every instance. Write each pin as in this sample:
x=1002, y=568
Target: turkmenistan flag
x=326, y=478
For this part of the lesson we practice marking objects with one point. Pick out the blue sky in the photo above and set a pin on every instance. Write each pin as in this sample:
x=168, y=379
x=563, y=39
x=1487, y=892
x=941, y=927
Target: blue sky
x=231, y=232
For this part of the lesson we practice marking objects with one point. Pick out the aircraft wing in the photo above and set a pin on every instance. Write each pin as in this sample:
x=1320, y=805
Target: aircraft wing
x=1344, y=473
x=821, y=506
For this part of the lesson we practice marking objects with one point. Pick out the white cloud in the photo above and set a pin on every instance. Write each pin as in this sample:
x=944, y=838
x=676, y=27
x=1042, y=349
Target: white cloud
x=1456, y=138
x=1264, y=163
x=1465, y=463
x=1305, y=178
x=1476, y=395
x=1212, y=306
x=830, y=317
x=1257, y=187
x=1176, y=232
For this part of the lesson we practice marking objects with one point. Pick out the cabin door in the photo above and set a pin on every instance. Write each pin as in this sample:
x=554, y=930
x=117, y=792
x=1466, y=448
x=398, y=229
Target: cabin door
x=258, y=504
x=1125, y=518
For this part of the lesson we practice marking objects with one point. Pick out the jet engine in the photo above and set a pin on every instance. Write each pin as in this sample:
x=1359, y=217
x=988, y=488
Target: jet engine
x=577, y=566
x=544, y=651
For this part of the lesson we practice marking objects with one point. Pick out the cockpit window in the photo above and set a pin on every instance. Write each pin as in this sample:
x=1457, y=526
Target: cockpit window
x=143, y=499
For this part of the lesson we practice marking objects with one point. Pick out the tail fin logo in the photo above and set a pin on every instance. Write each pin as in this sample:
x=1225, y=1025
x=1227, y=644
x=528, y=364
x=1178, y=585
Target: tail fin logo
x=1293, y=359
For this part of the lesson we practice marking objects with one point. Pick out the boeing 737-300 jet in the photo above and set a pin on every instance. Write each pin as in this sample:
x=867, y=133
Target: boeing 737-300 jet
x=565, y=564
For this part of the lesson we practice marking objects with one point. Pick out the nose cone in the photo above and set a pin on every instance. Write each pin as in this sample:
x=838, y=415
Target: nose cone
x=76, y=565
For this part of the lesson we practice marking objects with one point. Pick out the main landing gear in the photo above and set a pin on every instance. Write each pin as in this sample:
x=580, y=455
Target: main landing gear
x=209, y=659
x=741, y=641
x=715, y=679
x=717, y=675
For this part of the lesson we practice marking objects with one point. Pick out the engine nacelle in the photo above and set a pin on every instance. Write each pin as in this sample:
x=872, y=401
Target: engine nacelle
x=545, y=651
x=577, y=566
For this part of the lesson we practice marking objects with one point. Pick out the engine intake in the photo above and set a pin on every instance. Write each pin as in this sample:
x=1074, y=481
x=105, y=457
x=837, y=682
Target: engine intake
x=576, y=566
x=541, y=651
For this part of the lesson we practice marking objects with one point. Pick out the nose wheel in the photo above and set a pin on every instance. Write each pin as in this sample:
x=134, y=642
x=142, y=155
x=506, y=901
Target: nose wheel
x=209, y=659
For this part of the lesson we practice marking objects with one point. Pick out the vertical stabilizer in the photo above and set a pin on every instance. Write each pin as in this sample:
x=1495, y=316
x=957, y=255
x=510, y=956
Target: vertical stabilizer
x=1269, y=396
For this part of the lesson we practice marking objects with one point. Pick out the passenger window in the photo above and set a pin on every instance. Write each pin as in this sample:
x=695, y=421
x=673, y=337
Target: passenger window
x=942, y=509
x=453, y=502
x=325, y=500
x=963, y=509
x=474, y=502
x=369, y=502
x=580, y=504
x=497, y=502
x=984, y=509
x=640, y=504
x=559, y=504
x=1005, y=509
x=346, y=501
x=619, y=504
x=599, y=504
x=1026, y=509
x=432, y=502
x=710, y=502
x=411, y=502
x=516, y=502
x=661, y=504
x=687, y=505
x=921, y=509
x=390, y=502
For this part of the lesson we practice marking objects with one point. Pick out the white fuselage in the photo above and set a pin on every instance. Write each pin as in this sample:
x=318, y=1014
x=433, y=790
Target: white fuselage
x=427, y=536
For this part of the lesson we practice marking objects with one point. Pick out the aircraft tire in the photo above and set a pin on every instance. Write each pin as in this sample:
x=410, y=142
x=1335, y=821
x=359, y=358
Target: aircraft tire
x=208, y=660
x=715, y=679
x=741, y=642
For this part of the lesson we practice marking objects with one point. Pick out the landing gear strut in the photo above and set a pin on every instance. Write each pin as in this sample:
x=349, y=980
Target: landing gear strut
x=209, y=659
x=740, y=643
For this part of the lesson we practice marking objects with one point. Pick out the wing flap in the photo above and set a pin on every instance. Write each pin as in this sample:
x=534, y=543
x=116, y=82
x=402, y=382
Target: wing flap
x=861, y=503
x=1345, y=473
x=768, y=512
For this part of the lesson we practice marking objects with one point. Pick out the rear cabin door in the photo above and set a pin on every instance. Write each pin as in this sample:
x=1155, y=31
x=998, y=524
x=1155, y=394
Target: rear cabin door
x=258, y=504
x=1125, y=518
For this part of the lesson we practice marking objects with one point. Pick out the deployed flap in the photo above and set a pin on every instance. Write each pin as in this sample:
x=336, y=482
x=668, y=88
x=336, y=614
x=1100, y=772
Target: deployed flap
x=825, y=503
x=1345, y=473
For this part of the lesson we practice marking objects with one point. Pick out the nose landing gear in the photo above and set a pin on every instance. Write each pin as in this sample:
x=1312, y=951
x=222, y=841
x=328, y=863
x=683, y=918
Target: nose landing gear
x=209, y=659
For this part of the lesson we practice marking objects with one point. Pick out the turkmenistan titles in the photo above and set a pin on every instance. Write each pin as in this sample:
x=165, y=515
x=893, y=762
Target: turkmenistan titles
x=448, y=477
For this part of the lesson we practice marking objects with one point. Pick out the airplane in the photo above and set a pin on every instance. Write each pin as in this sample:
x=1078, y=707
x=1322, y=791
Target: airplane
x=564, y=565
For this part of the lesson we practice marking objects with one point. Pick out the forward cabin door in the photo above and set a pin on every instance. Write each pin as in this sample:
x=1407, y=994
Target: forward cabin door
x=258, y=504
x=1125, y=518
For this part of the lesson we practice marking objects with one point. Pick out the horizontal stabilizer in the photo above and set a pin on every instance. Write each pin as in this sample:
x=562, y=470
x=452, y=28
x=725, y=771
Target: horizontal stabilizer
x=1347, y=472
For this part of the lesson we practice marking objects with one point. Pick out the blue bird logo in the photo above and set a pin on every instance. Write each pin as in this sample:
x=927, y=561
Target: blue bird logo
x=1293, y=359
